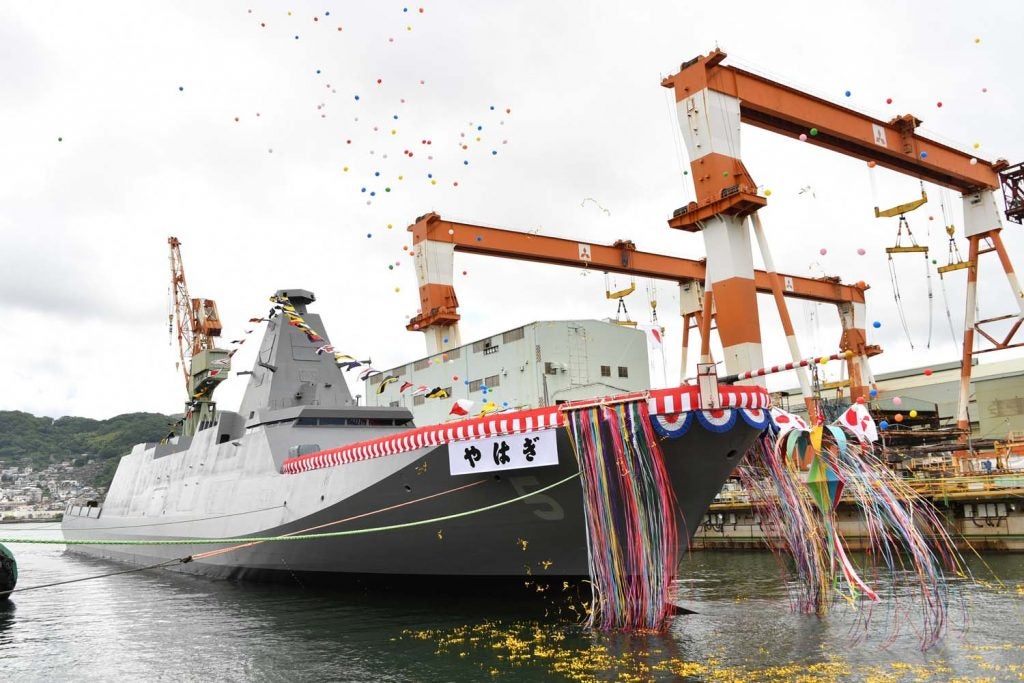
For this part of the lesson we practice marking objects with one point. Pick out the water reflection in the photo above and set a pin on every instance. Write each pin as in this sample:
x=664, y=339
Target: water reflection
x=164, y=626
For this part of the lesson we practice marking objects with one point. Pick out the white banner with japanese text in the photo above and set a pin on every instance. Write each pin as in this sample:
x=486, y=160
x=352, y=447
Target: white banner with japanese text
x=509, y=452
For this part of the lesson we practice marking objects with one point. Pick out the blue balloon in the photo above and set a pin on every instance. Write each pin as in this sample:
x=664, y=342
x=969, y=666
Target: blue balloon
x=876, y=324
x=883, y=425
x=873, y=393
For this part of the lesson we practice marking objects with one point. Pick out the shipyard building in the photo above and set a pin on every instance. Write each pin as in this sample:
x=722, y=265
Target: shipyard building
x=996, y=406
x=542, y=363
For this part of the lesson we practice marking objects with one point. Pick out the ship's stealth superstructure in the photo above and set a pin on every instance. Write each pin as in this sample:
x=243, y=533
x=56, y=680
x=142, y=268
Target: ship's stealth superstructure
x=380, y=496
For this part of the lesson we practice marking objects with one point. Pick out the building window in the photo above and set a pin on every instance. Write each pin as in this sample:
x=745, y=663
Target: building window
x=476, y=384
x=623, y=371
x=376, y=379
x=454, y=354
x=968, y=511
x=513, y=335
x=395, y=404
x=492, y=381
x=418, y=400
x=421, y=364
x=480, y=346
x=491, y=349
x=606, y=371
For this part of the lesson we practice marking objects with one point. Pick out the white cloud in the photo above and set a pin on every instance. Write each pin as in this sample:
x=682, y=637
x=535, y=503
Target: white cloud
x=84, y=221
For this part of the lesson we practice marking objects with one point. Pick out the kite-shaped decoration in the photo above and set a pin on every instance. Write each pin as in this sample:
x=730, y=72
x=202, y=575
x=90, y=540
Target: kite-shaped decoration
x=825, y=485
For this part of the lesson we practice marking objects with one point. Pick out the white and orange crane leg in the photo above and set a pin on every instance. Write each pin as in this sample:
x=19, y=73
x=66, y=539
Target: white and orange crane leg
x=435, y=265
x=787, y=322
x=982, y=221
x=710, y=124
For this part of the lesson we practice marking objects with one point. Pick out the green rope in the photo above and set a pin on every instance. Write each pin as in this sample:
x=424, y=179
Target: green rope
x=297, y=537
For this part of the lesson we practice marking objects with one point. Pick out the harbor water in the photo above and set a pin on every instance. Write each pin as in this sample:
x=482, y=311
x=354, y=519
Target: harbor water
x=158, y=625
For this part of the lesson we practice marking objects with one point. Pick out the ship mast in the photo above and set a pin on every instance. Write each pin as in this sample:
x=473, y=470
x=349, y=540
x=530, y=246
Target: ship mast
x=203, y=365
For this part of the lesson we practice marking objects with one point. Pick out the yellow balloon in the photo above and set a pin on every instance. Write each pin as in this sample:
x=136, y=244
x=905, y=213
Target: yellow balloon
x=767, y=193
x=913, y=413
x=823, y=360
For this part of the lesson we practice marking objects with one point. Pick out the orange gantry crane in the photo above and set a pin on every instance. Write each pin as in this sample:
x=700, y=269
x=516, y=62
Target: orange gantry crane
x=712, y=99
x=436, y=240
x=198, y=325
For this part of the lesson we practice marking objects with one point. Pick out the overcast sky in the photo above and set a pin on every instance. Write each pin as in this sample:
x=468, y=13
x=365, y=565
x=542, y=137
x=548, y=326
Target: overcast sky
x=231, y=126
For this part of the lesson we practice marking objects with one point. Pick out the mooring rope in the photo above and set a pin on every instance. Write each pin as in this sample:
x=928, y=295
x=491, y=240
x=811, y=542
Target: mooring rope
x=177, y=560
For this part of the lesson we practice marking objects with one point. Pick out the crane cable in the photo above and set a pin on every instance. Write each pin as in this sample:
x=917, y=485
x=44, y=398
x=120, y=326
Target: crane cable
x=893, y=276
x=677, y=141
x=928, y=279
x=943, y=197
x=894, y=283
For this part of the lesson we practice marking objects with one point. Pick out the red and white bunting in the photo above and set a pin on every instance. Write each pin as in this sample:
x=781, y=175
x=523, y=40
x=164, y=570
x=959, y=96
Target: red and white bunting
x=659, y=402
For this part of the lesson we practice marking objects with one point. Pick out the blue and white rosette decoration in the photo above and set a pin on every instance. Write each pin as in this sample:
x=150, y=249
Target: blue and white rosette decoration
x=717, y=420
x=758, y=418
x=672, y=426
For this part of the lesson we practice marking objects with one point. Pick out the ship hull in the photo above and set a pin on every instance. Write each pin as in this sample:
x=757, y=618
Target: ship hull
x=416, y=521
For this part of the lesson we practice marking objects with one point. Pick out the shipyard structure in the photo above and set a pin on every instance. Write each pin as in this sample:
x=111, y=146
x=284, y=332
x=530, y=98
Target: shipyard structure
x=981, y=497
x=543, y=363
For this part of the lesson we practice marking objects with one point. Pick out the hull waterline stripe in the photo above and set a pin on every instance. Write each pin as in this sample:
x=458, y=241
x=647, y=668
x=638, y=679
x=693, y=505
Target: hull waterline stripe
x=301, y=537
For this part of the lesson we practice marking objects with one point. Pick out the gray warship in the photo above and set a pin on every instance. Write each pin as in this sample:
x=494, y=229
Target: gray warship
x=369, y=494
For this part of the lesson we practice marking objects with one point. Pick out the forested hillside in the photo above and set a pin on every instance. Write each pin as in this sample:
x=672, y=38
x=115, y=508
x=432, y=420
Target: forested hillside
x=38, y=441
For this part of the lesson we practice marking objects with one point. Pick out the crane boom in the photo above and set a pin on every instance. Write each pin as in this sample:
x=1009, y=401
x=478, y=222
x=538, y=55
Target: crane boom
x=198, y=324
x=435, y=240
x=613, y=259
x=712, y=99
x=779, y=108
